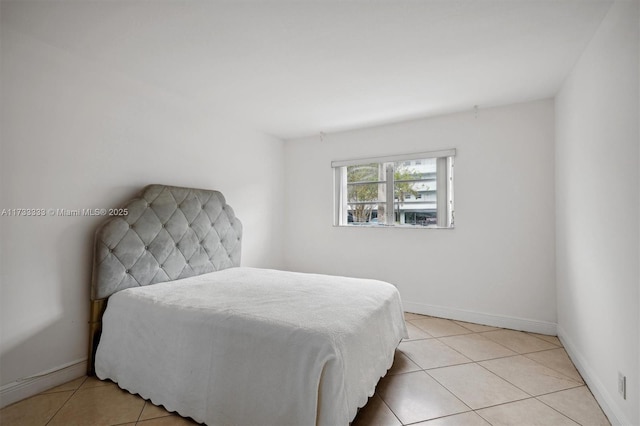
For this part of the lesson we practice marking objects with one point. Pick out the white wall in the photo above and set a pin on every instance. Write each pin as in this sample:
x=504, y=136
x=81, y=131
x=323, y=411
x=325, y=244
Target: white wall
x=598, y=214
x=497, y=266
x=76, y=135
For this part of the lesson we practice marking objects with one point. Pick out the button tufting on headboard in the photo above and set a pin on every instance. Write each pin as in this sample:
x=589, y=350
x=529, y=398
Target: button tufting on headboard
x=168, y=234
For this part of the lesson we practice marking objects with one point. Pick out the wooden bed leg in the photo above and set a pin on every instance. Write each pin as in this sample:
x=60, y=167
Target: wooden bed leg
x=95, y=328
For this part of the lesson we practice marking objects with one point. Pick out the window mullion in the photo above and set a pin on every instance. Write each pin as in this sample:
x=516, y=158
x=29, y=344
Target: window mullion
x=389, y=212
x=442, y=198
x=340, y=181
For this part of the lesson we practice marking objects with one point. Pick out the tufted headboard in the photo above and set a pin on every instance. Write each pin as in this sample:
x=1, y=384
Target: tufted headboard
x=166, y=233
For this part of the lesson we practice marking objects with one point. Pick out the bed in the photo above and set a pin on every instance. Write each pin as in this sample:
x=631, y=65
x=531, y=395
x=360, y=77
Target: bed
x=177, y=320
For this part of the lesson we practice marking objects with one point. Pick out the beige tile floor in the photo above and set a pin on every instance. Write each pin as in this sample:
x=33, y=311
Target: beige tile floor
x=448, y=373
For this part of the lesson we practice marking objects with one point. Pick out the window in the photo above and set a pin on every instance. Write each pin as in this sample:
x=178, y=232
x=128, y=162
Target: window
x=414, y=190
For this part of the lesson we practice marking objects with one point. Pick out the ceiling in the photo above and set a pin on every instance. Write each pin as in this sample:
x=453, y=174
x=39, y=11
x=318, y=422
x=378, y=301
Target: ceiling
x=297, y=68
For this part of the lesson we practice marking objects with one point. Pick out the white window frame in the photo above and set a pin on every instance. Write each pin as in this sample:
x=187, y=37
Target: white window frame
x=444, y=177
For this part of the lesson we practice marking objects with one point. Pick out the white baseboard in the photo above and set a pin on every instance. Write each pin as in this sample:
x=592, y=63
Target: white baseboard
x=29, y=386
x=514, y=323
x=599, y=391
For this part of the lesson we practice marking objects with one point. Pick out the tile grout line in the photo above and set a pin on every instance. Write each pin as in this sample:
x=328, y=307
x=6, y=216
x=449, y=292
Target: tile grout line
x=480, y=415
x=491, y=372
x=535, y=396
x=518, y=387
x=424, y=420
x=498, y=343
x=392, y=412
x=141, y=410
x=448, y=335
x=426, y=370
x=529, y=396
x=436, y=380
x=555, y=409
x=539, y=338
x=517, y=353
x=466, y=356
x=454, y=349
x=67, y=400
x=437, y=418
x=524, y=354
x=557, y=371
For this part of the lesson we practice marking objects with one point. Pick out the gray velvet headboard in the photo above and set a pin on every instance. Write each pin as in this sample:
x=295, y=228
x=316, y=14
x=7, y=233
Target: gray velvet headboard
x=167, y=233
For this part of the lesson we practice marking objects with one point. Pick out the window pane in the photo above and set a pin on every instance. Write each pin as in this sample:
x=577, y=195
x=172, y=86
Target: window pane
x=419, y=218
x=365, y=202
x=364, y=173
x=415, y=201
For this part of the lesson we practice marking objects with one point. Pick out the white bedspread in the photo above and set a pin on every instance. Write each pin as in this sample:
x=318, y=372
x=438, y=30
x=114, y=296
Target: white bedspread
x=248, y=346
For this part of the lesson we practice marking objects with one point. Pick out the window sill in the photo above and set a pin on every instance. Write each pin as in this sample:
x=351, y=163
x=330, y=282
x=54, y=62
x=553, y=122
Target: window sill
x=394, y=226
